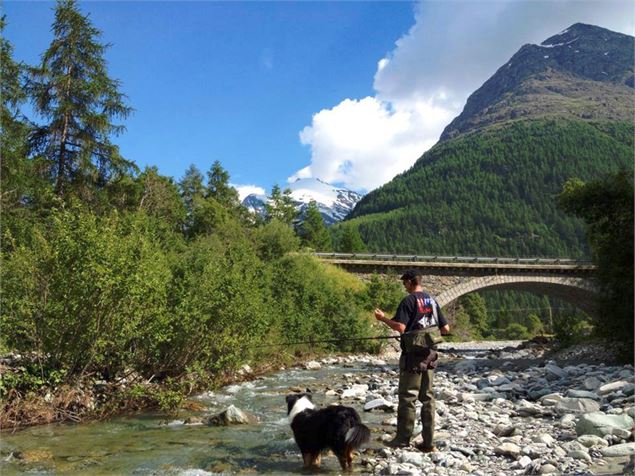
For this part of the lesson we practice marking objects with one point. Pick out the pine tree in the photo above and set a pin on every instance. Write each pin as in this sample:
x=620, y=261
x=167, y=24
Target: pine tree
x=72, y=91
x=348, y=240
x=313, y=231
x=191, y=189
x=280, y=206
x=17, y=173
x=218, y=186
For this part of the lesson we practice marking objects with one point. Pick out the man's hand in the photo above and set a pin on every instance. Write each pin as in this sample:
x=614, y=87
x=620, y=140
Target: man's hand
x=379, y=315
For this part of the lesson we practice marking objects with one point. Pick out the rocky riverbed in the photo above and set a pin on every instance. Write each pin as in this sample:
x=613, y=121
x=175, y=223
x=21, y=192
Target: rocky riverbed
x=502, y=411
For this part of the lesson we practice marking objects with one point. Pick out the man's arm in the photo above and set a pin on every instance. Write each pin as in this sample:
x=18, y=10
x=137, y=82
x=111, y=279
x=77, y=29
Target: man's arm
x=394, y=325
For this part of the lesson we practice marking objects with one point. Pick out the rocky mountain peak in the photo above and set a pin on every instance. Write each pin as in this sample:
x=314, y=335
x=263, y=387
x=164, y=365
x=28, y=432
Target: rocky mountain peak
x=585, y=72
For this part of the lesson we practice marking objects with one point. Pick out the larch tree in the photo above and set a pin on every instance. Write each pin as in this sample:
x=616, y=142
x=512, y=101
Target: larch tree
x=72, y=92
x=313, y=232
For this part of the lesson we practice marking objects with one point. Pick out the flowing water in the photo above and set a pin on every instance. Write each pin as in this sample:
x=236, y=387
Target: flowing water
x=153, y=444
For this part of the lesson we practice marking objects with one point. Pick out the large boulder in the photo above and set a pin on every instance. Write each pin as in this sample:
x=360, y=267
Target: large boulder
x=232, y=416
x=601, y=424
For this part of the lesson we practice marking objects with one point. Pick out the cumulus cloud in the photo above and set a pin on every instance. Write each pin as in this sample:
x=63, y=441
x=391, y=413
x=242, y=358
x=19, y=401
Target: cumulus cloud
x=244, y=190
x=451, y=49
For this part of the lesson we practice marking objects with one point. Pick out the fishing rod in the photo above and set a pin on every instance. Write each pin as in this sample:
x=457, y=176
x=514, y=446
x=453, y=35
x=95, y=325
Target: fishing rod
x=327, y=341
x=332, y=341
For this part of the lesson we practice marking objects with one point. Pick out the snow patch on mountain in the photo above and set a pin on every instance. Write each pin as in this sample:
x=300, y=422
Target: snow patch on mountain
x=333, y=202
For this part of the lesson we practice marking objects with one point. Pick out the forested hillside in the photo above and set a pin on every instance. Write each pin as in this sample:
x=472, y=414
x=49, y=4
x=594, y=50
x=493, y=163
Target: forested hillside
x=493, y=193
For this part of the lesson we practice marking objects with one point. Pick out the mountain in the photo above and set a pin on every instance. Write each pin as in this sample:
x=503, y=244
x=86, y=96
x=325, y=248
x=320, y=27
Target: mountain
x=558, y=110
x=333, y=202
x=585, y=72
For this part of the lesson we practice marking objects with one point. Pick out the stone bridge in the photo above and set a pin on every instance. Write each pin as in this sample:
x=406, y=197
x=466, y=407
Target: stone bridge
x=450, y=277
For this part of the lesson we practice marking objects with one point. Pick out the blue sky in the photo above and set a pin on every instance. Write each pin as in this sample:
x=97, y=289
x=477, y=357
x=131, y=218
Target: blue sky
x=349, y=92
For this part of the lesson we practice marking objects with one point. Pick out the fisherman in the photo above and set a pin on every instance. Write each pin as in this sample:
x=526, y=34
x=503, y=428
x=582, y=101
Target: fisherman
x=418, y=319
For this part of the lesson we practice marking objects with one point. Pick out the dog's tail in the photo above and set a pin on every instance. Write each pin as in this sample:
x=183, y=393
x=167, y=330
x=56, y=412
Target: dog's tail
x=357, y=436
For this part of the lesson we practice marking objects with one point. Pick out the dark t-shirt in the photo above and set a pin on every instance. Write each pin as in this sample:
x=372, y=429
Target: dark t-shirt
x=416, y=311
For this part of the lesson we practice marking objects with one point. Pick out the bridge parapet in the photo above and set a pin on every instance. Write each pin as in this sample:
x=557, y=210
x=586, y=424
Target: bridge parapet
x=449, y=278
x=383, y=263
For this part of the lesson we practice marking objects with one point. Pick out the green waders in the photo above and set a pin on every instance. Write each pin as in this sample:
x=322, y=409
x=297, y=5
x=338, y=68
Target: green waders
x=412, y=387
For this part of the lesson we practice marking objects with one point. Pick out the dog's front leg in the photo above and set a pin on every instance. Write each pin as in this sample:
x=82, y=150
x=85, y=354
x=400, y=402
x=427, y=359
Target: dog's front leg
x=308, y=460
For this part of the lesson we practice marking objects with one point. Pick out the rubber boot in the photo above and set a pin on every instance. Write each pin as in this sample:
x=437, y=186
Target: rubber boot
x=405, y=424
x=406, y=413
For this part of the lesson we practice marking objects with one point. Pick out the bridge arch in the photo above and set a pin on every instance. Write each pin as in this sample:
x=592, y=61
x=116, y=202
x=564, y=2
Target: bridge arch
x=581, y=292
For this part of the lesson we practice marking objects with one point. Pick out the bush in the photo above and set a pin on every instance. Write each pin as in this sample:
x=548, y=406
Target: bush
x=516, y=331
x=315, y=301
x=87, y=293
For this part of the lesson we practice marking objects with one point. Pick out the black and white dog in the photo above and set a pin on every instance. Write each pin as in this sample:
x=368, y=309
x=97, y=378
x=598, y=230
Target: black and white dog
x=336, y=428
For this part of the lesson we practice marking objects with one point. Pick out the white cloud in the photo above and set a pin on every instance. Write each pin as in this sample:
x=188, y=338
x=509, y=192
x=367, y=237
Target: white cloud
x=451, y=49
x=244, y=190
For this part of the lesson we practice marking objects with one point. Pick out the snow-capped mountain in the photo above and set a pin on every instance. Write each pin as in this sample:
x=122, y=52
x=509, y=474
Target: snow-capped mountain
x=334, y=203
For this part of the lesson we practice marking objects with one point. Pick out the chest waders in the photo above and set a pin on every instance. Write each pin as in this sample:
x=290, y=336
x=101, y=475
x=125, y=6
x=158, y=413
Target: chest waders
x=416, y=363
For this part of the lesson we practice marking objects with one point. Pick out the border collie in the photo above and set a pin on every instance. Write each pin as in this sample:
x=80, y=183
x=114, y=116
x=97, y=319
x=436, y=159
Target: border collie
x=336, y=428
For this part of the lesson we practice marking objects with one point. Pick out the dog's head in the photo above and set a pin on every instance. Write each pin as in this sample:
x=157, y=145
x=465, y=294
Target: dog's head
x=294, y=398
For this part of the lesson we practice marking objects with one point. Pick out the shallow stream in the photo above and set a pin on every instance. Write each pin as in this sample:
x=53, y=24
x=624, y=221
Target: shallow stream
x=154, y=444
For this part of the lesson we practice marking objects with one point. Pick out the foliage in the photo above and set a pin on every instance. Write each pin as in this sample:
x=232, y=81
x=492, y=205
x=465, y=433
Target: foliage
x=475, y=307
x=313, y=231
x=275, y=239
x=384, y=292
x=280, y=206
x=72, y=91
x=87, y=293
x=492, y=193
x=327, y=308
x=606, y=205
x=346, y=239
x=516, y=331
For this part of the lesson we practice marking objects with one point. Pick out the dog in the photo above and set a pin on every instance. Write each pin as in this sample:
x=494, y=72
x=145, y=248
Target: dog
x=337, y=428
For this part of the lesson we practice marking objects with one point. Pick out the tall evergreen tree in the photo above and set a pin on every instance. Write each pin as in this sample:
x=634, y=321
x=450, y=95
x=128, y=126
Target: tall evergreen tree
x=218, y=186
x=348, y=240
x=280, y=206
x=72, y=91
x=313, y=231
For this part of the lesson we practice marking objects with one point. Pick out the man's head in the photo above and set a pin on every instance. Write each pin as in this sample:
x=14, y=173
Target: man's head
x=411, y=279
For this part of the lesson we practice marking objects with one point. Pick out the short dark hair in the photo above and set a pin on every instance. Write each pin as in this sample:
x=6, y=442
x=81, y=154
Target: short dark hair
x=412, y=275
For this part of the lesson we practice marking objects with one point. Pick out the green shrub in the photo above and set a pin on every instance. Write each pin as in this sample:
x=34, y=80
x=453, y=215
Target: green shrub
x=87, y=293
x=516, y=331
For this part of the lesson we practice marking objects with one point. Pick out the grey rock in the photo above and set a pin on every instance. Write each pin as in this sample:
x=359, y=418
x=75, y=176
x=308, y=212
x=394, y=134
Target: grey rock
x=312, y=365
x=591, y=383
x=524, y=462
x=612, y=387
x=591, y=440
x=550, y=399
x=547, y=469
x=412, y=457
x=555, y=371
x=379, y=404
x=582, y=394
x=508, y=449
x=232, y=416
x=600, y=424
x=544, y=438
x=579, y=454
x=625, y=449
x=577, y=405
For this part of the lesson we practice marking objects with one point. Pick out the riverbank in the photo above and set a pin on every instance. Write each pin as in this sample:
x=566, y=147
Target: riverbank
x=94, y=399
x=501, y=410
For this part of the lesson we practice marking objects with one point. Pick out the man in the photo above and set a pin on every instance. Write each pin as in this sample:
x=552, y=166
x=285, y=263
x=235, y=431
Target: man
x=418, y=319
